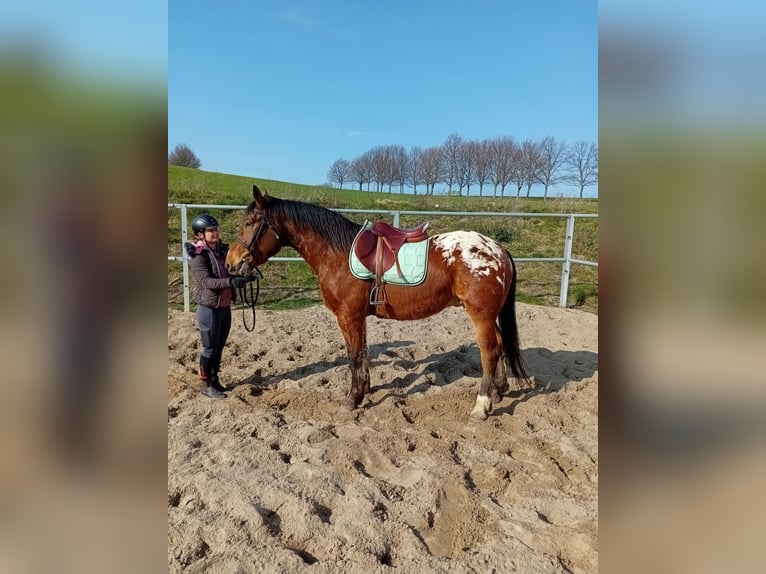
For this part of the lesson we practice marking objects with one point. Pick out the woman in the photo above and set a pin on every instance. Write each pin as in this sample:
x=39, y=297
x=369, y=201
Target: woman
x=214, y=294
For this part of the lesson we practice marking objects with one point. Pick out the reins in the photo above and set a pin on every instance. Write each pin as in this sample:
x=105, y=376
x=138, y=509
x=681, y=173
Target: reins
x=250, y=299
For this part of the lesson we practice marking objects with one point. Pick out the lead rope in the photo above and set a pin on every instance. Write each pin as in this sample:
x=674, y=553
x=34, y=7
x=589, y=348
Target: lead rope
x=250, y=299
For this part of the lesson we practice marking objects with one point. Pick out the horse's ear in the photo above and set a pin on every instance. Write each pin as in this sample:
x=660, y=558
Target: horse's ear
x=258, y=196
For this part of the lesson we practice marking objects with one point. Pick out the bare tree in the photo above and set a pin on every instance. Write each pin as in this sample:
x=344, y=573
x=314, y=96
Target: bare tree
x=413, y=168
x=360, y=170
x=339, y=172
x=483, y=160
x=183, y=155
x=451, y=159
x=381, y=169
x=504, y=164
x=552, y=156
x=517, y=173
x=466, y=173
x=431, y=167
x=529, y=164
x=398, y=166
x=582, y=162
x=392, y=176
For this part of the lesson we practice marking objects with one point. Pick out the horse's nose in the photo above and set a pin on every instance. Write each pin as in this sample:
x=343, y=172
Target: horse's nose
x=239, y=268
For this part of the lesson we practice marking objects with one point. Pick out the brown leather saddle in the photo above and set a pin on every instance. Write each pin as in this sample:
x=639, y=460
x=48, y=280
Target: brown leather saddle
x=378, y=250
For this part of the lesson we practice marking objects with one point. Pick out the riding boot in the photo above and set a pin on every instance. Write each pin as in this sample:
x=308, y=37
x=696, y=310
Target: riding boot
x=210, y=391
x=205, y=375
x=216, y=384
x=216, y=365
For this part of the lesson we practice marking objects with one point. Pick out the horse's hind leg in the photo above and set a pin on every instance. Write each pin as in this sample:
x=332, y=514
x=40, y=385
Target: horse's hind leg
x=486, y=337
x=500, y=386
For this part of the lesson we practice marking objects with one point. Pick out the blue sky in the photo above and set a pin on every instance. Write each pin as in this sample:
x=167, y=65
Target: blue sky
x=91, y=37
x=281, y=90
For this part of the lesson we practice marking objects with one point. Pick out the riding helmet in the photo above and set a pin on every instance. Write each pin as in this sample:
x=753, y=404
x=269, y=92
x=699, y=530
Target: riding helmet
x=204, y=221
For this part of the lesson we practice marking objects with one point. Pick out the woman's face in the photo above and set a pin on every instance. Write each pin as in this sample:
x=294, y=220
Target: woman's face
x=211, y=236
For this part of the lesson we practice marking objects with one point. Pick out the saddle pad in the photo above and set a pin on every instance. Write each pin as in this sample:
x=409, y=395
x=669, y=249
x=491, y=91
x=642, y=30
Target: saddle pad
x=413, y=259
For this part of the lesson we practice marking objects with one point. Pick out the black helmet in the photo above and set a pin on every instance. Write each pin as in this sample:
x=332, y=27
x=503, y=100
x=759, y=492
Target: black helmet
x=204, y=221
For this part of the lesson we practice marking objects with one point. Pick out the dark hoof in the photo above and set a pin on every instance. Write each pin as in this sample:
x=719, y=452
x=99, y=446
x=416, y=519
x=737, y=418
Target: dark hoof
x=349, y=405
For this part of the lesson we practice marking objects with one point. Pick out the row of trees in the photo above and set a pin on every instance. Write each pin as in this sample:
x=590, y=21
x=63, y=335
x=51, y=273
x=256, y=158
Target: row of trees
x=460, y=164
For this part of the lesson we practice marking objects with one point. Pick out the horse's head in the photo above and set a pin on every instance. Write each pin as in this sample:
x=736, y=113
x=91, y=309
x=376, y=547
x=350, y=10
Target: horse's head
x=257, y=239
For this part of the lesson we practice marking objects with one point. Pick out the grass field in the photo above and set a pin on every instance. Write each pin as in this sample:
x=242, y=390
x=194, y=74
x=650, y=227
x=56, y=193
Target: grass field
x=291, y=285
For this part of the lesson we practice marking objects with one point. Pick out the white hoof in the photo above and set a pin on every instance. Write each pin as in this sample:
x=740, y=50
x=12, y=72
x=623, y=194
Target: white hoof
x=482, y=409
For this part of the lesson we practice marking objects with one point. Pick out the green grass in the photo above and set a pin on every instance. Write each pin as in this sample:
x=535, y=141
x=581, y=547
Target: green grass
x=289, y=285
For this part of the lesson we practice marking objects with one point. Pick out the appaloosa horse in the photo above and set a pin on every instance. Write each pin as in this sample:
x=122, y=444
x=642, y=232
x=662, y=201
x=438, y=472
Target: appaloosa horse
x=464, y=268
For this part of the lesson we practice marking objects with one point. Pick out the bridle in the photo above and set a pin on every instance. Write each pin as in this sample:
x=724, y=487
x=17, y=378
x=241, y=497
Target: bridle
x=252, y=298
x=261, y=227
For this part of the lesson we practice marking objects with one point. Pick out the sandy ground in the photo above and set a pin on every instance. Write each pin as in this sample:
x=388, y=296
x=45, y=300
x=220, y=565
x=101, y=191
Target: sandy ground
x=275, y=478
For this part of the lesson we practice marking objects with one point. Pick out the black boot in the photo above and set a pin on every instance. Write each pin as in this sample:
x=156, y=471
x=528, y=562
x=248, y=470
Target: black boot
x=210, y=386
x=215, y=366
x=216, y=384
x=210, y=391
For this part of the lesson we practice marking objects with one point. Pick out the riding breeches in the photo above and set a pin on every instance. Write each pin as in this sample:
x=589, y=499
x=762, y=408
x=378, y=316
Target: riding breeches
x=214, y=327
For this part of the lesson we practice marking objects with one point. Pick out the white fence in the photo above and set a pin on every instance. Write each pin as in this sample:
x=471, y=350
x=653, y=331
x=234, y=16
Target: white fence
x=566, y=259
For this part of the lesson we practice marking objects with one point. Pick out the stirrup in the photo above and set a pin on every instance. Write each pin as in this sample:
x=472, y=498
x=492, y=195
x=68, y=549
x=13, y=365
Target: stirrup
x=374, y=295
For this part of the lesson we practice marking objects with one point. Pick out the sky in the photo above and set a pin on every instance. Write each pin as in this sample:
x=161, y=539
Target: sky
x=91, y=37
x=699, y=64
x=281, y=90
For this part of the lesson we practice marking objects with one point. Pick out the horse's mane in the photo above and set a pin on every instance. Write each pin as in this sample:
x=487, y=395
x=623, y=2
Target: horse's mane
x=336, y=229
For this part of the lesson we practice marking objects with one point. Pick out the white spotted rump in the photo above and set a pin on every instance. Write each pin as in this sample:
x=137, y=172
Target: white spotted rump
x=478, y=253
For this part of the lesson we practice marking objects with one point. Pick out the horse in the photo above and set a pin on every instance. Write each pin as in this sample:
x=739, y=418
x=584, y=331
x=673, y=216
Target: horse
x=465, y=269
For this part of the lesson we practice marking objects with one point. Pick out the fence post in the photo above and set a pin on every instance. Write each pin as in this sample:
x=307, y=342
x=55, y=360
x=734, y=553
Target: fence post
x=185, y=264
x=396, y=219
x=567, y=261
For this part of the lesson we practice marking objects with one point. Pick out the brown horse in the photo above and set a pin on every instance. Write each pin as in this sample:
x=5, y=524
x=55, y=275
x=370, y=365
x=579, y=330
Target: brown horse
x=464, y=268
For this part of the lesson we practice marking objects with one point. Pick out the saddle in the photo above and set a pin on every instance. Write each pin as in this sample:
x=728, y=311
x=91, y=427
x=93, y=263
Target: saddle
x=378, y=250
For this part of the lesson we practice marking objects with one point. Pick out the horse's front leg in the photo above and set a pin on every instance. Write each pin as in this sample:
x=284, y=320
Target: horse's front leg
x=354, y=332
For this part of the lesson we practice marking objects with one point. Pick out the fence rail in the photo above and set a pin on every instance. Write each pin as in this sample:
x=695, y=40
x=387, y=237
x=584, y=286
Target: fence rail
x=566, y=259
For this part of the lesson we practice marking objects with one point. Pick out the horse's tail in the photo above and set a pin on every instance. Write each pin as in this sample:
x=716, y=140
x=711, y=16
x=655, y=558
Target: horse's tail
x=509, y=330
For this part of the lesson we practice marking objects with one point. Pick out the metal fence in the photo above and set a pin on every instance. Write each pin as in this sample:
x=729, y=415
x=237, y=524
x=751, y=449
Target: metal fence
x=566, y=259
